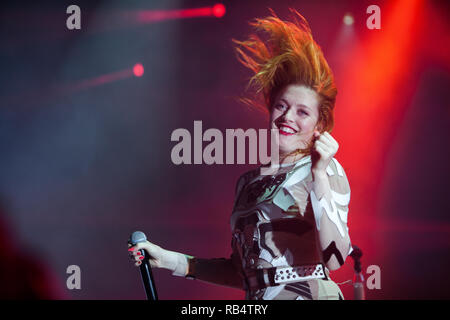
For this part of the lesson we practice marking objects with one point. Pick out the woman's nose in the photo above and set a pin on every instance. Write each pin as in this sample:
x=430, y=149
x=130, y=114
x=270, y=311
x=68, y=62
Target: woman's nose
x=288, y=115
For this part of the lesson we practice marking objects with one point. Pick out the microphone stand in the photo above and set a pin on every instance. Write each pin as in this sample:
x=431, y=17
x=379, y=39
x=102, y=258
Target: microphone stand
x=358, y=279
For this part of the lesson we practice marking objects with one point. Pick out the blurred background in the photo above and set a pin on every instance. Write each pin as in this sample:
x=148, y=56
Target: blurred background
x=86, y=118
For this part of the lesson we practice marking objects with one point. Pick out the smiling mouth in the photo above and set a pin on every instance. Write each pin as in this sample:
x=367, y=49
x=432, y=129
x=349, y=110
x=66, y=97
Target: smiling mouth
x=286, y=130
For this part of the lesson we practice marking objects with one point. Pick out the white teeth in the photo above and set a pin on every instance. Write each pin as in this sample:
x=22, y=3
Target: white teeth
x=287, y=129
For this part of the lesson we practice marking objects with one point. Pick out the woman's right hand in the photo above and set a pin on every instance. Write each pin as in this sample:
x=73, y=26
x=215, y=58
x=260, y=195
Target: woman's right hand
x=154, y=252
x=159, y=257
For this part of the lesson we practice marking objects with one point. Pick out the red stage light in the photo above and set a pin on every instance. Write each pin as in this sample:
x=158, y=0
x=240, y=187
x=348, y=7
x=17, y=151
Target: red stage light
x=218, y=10
x=138, y=70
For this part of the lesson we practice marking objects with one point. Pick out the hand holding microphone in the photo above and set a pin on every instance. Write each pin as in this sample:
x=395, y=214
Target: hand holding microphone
x=158, y=257
x=154, y=253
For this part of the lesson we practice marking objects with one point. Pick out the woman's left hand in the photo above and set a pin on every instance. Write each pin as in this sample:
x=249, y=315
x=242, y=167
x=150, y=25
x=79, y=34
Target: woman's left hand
x=325, y=147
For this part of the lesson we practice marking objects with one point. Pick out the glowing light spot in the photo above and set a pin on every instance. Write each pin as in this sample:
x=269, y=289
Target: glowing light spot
x=218, y=10
x=348, y=19
x=138, y=70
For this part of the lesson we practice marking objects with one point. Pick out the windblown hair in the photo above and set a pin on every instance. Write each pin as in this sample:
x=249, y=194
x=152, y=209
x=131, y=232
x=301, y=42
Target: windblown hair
x=289, y=55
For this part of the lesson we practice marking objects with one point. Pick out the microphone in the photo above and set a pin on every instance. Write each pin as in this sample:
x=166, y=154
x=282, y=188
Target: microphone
x=146, y=270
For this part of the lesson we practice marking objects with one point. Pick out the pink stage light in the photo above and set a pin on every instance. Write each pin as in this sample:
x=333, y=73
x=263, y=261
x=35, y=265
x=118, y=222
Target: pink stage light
x=218, y=10
x=149, y=16
x=138, y=70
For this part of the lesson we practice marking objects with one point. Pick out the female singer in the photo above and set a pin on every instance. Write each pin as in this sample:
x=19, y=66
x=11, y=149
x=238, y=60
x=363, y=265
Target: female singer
x=289, y=229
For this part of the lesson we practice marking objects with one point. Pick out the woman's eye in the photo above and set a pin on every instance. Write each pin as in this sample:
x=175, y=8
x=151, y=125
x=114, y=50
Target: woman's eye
x=280, y=107
x=302, y=112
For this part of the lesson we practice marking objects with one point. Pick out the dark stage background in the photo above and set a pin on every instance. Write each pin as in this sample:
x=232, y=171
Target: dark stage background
x=85, y=148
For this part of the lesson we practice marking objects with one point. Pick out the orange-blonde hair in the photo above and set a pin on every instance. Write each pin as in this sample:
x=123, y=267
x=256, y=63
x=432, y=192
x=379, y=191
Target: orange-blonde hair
x=288, y=56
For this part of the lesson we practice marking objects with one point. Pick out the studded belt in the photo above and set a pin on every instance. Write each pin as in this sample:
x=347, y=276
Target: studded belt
x=268, y=277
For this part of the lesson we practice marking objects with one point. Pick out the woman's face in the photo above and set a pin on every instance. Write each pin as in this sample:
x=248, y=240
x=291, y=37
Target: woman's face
x=295, y=114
